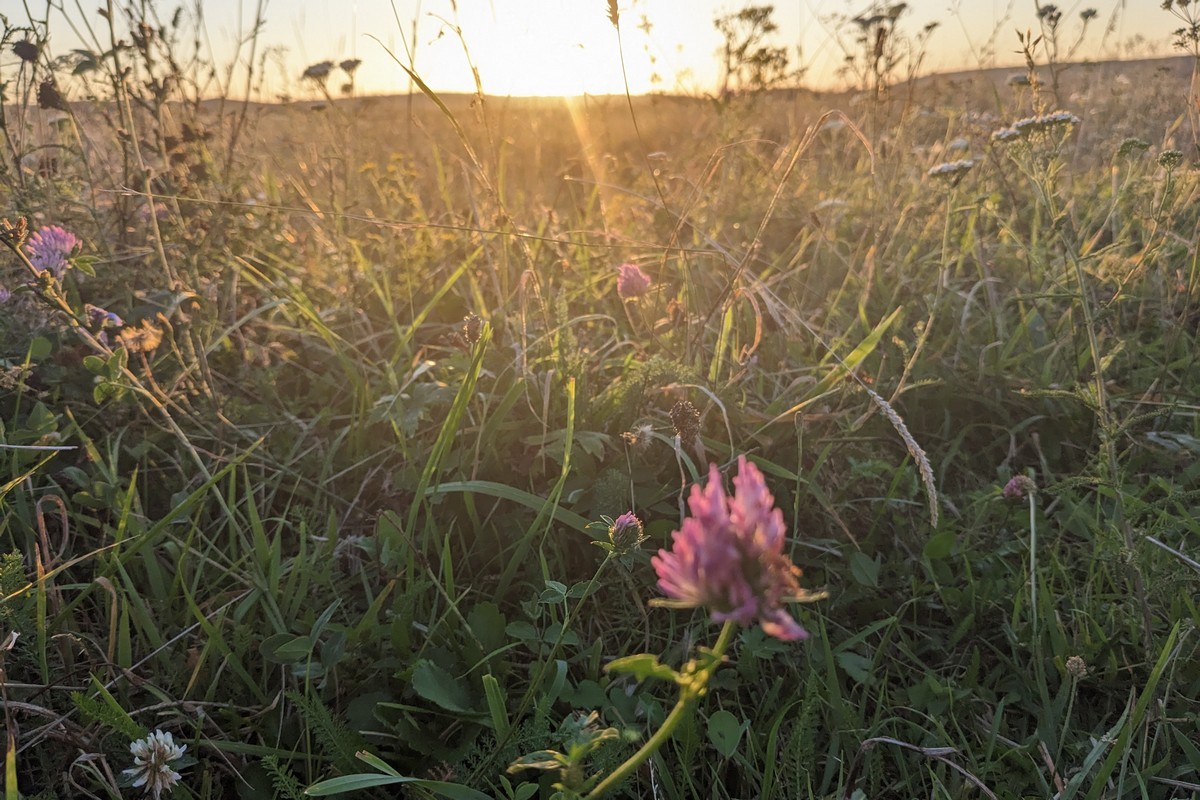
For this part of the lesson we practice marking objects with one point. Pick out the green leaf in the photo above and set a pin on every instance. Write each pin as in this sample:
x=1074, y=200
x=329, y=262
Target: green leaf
x=865, y=569
x=856, y=666
x=440, y=687
x=541, y=759
x=286, y=648
x=353, y=783
x=939, y=546
x=39, y=348
x=642, y=666
x=725, y=731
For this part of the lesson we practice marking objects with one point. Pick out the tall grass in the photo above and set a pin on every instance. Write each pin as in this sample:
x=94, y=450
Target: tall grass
x=327, y=528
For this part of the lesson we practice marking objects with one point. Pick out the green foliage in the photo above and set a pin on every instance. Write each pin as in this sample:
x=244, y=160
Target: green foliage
x=327, y=523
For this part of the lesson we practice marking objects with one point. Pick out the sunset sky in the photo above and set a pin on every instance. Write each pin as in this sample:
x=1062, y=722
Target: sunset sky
x=554, y=47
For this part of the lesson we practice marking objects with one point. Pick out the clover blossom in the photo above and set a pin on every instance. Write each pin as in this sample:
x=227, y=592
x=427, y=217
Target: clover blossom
x=152, y=759
x=728, y=556
x=50, y=247
x=632, y=281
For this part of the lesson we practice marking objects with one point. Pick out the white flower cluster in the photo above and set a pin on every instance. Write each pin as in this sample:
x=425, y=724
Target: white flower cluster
x=1032, y=126
x=951, y=168
x=152, y=759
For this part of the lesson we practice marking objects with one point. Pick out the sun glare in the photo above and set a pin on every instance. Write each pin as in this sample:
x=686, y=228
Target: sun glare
x=544, y=48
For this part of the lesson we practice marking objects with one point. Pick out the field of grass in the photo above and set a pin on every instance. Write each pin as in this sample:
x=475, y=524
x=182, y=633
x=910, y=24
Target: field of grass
x=311, y=452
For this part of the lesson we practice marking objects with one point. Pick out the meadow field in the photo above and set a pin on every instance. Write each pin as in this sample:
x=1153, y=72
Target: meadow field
x=374, y=446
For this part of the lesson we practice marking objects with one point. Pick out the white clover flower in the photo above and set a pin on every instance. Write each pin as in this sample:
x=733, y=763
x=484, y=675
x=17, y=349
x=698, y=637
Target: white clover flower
x=152, y=759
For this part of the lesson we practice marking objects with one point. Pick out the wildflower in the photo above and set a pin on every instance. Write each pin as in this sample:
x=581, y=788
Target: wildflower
x=1131, y=145
x=1019, y=487
x=5, y=295
x=627, y=532
x=50, y=248
x=318, y=72
x=140, y=339
x=728, y=556
x=632, y=281
x=1170, y=159
x=639, y=438
x=1036, y=127
x=99, y=317
x=685, y=418
x=152, y=759
x=1077, y=667
x=952, y=169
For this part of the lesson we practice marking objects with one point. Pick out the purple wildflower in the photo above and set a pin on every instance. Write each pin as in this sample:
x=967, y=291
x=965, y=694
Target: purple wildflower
x=50, y=247
x=1019, y=487
x=728, y=556
x=101, y=318
x=5, y=295
x=627, y=532
x=632, y=281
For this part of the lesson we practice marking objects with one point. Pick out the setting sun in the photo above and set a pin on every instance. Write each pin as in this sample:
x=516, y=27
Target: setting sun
x=541, y=48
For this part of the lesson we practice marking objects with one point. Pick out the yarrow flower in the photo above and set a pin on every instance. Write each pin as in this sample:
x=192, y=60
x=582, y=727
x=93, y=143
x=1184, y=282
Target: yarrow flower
x=632, y=281
x=152, y=759
x=1031, y=127
x=50, y=247
x=728, y=556
x=952, y=169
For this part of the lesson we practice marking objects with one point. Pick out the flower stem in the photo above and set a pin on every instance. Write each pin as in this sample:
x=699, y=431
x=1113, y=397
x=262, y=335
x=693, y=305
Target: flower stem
x=691, y=690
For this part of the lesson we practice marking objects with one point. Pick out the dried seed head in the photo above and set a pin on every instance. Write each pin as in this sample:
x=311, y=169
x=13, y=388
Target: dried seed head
x=685, y=418
x=1170, y=159
x=472, y=328
x=26, y=50
x=14, y=233
x=48, y=96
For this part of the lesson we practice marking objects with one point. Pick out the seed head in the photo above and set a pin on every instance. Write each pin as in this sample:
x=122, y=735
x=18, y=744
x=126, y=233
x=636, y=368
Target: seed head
x=26, y=50
x=472, y=328
x=143, y=338
x=1170, y=159
x=685, y=418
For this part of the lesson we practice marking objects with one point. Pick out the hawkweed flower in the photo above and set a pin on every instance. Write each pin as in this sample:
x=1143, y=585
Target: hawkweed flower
x=632, y=281
x=50, y=248
x=152, y=759
x=728, y=556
